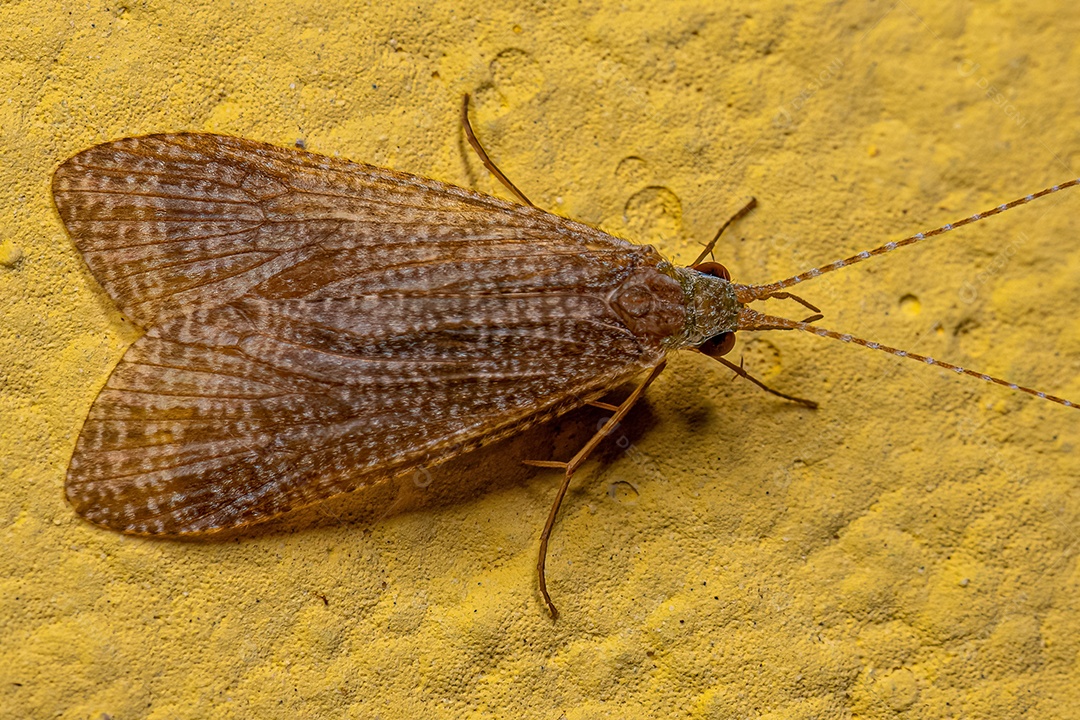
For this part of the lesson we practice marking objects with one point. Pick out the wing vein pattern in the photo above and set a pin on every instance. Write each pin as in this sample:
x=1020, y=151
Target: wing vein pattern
x=315, y=325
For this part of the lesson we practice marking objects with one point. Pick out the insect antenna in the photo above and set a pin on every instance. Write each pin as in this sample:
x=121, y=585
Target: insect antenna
x=482, y=154
x=749, y=293
x=752, y=320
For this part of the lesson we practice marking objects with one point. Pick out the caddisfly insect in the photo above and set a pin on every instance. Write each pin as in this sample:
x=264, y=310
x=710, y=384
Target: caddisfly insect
x=315, y=326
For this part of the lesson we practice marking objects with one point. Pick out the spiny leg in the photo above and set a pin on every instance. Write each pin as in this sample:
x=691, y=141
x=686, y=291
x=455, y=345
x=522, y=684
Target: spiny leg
x=492, y=168
x=796, y=298
x=738, y=370
x=571, y=467
x=712, y=243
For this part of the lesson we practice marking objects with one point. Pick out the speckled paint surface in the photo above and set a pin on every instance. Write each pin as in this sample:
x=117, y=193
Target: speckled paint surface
x=909, y=550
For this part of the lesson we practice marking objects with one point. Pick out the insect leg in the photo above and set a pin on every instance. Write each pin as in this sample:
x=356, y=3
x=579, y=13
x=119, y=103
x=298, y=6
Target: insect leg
x=712, y=243
x=484, y=156
x=572, y=466
x=796, y=298
x=738, y=370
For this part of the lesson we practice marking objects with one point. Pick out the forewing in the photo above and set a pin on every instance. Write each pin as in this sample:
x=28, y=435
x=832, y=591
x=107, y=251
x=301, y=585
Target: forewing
x=316, y=326
x=168, y=223
x=240, y=413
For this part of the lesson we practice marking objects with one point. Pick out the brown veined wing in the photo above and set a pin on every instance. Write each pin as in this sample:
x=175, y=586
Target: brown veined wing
x=316, y=325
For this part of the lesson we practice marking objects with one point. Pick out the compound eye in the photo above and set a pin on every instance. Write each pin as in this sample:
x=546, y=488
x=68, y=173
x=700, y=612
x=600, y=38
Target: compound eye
x=718, y=345
x=712, y=268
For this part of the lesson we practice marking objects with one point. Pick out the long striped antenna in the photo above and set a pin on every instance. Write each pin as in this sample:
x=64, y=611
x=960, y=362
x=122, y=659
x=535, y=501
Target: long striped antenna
x=749, y=293
x=753, y=320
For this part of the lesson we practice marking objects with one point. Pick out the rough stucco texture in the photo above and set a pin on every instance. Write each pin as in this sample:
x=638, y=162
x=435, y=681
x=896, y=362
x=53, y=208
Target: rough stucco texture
x=908, y=550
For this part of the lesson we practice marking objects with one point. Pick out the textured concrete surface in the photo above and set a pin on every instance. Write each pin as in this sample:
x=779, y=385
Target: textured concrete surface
x=909, y=550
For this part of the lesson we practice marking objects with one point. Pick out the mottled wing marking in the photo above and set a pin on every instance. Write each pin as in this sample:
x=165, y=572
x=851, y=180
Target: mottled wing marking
x=171, y=222
x=193, y=436
x=317, y=325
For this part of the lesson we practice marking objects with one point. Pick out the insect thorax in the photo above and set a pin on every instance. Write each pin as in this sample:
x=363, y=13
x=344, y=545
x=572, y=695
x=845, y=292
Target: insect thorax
x=711, y=306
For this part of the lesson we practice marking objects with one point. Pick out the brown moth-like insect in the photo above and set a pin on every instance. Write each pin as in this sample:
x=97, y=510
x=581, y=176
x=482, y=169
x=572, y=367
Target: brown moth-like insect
x=315, y=326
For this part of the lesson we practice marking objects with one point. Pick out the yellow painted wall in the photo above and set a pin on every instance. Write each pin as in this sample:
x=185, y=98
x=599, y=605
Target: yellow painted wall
x=908, y=550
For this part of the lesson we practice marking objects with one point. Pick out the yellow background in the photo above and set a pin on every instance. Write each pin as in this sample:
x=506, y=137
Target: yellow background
x=908, y=550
